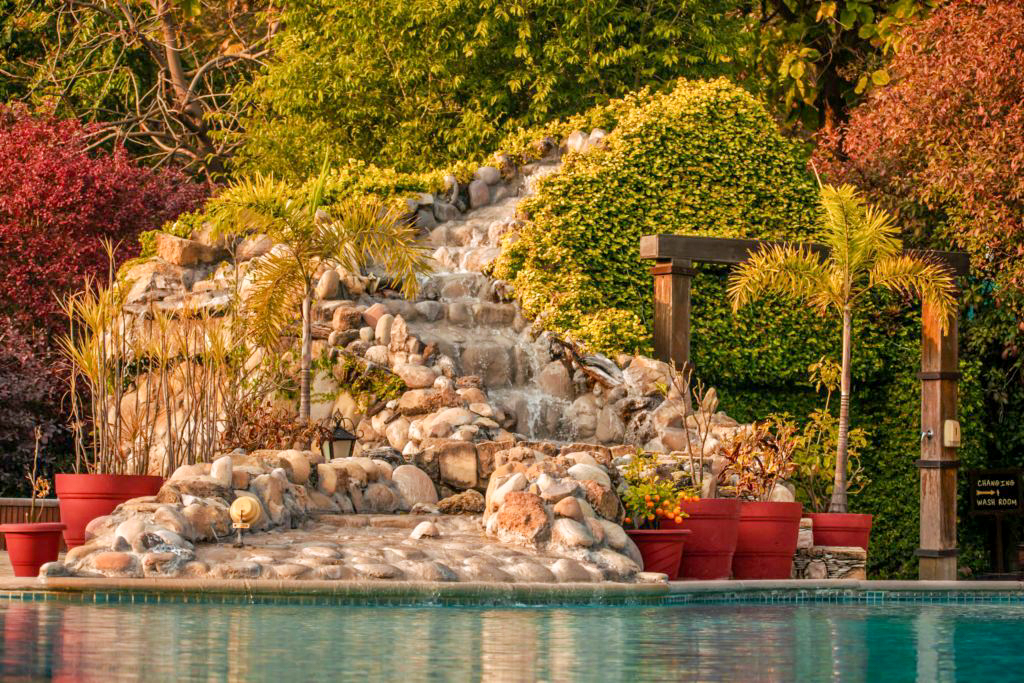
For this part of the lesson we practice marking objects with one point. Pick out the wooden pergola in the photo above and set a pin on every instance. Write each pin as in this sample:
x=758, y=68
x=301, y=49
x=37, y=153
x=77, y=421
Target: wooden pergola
x=674, y=258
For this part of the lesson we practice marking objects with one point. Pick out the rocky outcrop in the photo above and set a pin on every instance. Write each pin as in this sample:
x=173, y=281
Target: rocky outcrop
x=565, y=503
x=330, y=520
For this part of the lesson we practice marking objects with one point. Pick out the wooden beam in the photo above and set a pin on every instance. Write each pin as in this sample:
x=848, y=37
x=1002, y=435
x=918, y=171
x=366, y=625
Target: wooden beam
x=728, y=251
x=940, y=372
x=672, y=311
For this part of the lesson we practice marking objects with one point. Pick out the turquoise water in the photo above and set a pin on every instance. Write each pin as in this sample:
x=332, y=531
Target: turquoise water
x=718, y=642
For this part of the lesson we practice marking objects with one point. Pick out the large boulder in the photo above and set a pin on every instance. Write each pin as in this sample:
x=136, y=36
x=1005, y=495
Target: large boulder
x=183, y=252
x=414, y=485
x=522, y=519
x=457, y=464
x=420, y=401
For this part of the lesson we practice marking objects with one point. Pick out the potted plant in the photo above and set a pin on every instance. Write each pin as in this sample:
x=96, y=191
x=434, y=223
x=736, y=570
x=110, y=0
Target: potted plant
x=650, y=499
x=713, y=522
x=864, y=255
x=815, y=457
x=111, y=447
x=757, y=459
x=32, y=544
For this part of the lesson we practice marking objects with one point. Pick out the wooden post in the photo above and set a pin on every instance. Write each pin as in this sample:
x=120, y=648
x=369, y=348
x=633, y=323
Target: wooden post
x=672, y=311
x=938, y=464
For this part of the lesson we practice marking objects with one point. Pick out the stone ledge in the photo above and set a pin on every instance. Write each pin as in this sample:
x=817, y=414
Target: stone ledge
x=682, y=587
x=416, y=591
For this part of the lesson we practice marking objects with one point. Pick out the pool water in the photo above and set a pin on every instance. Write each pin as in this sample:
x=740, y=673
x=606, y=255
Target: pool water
x=717, y=642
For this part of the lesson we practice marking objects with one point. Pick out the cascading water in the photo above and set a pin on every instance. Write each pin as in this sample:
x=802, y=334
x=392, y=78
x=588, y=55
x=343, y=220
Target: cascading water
x=472, y=318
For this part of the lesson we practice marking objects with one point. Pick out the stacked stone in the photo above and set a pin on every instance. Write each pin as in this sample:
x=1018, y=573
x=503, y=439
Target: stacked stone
x=156, y=535
x=826, y=562
x=566, y=502
x=306, y=528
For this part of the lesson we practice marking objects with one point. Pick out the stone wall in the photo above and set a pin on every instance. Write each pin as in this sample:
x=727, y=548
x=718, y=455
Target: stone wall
x=826, y=562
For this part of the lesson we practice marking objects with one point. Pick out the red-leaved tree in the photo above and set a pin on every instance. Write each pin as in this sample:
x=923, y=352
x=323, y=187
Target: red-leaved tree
x=944, y=143
x=58, y=199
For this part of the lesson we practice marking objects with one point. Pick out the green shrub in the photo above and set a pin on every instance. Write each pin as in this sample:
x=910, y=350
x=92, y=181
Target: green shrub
x=702, y=159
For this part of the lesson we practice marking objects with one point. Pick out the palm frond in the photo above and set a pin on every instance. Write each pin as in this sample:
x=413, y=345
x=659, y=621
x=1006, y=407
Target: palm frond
x=787, y=270
x=251, y=205
x=857, y=235
x=277, y=290
x=319, y=189
x=369, y=231
x=914, y=275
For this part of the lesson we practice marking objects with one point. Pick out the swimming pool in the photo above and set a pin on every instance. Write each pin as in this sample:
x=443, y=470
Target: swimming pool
x=726, y=641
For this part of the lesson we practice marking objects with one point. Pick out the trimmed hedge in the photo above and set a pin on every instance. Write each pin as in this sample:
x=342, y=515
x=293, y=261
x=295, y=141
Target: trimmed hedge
x=704, y=158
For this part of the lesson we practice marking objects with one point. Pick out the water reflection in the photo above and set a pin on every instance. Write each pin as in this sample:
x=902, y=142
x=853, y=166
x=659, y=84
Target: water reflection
x=846, y=643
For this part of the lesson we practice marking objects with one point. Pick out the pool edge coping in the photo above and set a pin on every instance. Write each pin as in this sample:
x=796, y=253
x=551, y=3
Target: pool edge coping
x=101, y=589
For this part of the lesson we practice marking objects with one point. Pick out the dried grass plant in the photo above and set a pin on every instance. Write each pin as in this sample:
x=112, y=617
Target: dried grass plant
x=152, y=392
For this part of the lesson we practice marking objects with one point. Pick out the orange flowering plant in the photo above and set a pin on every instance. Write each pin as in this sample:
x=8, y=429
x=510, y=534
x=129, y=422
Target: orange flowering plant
x=649, y=498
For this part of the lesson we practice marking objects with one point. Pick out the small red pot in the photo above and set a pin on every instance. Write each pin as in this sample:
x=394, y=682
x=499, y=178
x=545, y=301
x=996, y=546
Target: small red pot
x=714, y=523
x=84, y=497
x=841, y=529
x=30, y=546
x=661, y=549
x=766, y=540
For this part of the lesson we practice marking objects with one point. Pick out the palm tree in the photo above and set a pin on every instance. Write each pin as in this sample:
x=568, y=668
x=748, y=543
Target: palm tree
x=865, y=254
x=364, y=231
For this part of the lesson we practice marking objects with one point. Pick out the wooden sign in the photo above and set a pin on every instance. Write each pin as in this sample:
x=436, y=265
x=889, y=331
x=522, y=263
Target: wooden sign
x=996, y=492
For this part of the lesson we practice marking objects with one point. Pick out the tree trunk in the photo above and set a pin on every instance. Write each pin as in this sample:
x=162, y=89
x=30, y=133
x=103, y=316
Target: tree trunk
x=839, y=483
x=307, y=355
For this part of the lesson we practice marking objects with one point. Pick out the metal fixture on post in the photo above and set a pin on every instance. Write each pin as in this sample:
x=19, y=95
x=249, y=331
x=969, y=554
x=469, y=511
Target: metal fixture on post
x=244, y=511
x=340, y=442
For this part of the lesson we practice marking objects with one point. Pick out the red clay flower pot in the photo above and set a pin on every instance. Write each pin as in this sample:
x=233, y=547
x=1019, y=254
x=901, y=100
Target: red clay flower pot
x=841, y=528
x=84, y=497
x=766, y=540
x=30, y=546
x=714, y=523
x=661, y=549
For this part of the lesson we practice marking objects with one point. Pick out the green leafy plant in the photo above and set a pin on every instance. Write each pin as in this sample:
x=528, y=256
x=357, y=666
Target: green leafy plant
x=649, y=497
x=816, y=448
x=420, y=84
x=759, y=458
x=362, y=231
x=864, y=254
x=653, y=175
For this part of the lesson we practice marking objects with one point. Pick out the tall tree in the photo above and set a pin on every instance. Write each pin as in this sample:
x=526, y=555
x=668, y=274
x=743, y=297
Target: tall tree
x=865, y=254
x=816, y=57
x=419, y=83
x=943, y=146
x=155, y=74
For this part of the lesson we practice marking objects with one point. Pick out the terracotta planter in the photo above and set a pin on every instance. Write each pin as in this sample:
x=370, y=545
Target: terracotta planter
x=714, y=525
x=30, y=546
x=84, y=497
x=661, y=549
x=766, y=540
x=841, y=528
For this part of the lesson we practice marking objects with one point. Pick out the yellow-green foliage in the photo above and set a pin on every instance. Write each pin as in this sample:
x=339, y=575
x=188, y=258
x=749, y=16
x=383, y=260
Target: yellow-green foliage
x=353, y=178
x=702, y=159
